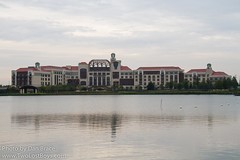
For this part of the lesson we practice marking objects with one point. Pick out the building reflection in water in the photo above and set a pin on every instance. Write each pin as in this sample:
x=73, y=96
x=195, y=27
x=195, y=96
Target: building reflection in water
x=113, y=122
x=92, y=121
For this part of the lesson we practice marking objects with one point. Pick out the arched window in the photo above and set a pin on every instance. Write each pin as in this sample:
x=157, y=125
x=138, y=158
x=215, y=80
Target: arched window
x=99, y=65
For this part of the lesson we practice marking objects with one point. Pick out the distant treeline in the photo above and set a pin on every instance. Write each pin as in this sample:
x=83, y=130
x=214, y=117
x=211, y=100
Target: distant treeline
x=229, y=84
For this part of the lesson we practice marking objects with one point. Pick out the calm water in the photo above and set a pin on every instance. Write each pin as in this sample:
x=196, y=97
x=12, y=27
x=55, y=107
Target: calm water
x=138, y=127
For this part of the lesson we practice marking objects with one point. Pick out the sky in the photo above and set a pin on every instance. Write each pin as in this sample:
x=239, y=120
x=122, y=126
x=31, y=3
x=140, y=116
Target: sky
x=184, y=33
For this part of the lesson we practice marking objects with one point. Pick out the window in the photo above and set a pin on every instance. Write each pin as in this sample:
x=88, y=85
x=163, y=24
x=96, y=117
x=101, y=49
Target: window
x=115, y=75
x=83, y=73
x=153, y=78
x=108, y=81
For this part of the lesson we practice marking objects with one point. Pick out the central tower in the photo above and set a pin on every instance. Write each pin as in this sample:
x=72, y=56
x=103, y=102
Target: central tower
x=115, y=69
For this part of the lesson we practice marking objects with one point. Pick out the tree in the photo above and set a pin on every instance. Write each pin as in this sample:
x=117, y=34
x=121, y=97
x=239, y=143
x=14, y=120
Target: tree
x=218, y=84
x=175, y=85
x=169, y=85
x=234, y=83
x=196, y=83
x=151, y=86
x=185, y=84
x=179, y=86
x=209, y=84
x=161, y=86
x=12, y=89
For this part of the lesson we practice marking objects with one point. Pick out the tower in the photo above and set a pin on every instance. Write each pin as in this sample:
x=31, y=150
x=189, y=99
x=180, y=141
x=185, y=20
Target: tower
x=37, y=65
x=209, y=66
x=115, y=70
x=113, y=57
x=209, y=70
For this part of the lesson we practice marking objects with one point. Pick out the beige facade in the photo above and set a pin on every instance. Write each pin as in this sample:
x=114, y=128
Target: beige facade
x=160, y=76
x=204, y=75
x=108, y=73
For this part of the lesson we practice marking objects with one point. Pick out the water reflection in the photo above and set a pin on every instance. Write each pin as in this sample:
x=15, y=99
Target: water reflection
x=111, y=121
x=126, y=127
x=92, y=121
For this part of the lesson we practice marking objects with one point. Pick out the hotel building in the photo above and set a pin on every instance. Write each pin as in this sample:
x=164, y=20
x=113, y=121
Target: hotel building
x=204, y=75
x=108, y=73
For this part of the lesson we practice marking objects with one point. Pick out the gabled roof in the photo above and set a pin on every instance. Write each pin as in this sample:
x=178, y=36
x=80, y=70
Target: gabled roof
x=74, y=68
x=50, y=67
x=159, y=68
x=197, y=71
x=47, y=68
x=219, y=74
x=125, y=68
x=26, y=69
x=70, y=68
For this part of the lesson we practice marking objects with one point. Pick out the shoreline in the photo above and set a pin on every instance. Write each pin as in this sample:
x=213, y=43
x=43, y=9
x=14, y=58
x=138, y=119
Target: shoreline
x=163, y=92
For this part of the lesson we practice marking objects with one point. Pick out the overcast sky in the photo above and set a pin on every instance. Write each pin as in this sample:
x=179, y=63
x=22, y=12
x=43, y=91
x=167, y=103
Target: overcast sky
x=184, y=33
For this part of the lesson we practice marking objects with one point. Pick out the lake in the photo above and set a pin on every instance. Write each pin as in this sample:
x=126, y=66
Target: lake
x=120, y=127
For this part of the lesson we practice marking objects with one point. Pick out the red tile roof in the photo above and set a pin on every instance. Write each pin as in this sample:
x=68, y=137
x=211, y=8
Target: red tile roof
x=125, y=68
x=70, y=68
x=219, y=74
x=26, y=69
x=160, y=68
x=50, y=67
x=47, y=68
x=197, y=70
x=43, y=70
x=74, y=68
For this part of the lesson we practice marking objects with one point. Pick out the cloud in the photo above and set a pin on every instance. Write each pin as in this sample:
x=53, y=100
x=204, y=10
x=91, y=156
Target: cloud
x=3, y=6
x=154, y=32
